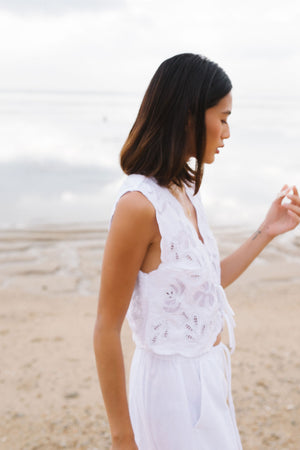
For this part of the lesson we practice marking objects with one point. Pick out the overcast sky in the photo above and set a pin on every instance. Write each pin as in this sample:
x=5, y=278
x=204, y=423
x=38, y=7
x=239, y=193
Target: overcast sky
x=116, y=45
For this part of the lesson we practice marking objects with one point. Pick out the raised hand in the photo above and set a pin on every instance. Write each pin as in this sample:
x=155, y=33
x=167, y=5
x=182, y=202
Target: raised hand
x=283, y=217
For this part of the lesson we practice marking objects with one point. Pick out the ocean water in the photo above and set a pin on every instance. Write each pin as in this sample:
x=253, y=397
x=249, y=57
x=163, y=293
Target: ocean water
x=59, y=157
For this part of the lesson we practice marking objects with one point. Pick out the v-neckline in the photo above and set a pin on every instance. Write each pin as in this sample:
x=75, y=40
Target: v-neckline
x=199, y=235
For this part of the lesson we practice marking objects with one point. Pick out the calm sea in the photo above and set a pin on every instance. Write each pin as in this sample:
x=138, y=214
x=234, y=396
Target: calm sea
x=59, y=157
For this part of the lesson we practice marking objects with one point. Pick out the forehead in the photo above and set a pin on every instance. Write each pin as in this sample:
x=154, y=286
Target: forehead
x=225, y=104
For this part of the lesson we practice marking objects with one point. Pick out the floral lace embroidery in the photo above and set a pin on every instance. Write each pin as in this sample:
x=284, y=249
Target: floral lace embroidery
x=179, y=307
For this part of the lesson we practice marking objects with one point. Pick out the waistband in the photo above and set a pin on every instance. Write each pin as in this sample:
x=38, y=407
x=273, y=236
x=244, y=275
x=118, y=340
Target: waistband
x=221, y=347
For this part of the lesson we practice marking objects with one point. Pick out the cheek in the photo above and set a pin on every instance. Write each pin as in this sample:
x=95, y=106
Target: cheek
x=213, y=130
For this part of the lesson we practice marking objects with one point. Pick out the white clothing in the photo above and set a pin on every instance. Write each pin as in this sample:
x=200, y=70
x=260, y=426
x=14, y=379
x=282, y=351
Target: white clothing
x=179, y=403
x=180, y=384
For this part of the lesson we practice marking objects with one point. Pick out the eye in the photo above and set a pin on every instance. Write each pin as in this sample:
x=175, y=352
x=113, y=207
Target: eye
x=224, y=121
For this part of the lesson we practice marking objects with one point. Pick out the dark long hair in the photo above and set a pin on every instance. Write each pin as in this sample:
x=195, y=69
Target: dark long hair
x=183, y=86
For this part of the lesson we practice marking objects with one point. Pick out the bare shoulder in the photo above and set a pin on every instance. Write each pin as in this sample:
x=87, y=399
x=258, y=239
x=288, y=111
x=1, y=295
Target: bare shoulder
x=134, y=208
x=136, y=201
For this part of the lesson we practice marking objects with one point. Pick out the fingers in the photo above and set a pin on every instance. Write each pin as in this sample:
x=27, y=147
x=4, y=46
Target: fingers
x=293, y=208
x=295, y=191
x=294, y=198
x=289, y=192
x=284, y=190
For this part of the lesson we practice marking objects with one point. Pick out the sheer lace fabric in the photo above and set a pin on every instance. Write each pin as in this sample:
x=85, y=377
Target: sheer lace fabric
x=180, y=307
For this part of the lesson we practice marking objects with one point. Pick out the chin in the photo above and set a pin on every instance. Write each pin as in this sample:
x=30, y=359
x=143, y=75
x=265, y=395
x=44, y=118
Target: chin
x=209, y=161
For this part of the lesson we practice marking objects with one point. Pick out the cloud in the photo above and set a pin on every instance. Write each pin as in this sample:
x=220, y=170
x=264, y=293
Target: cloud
x=58, y=7
x=119, y=49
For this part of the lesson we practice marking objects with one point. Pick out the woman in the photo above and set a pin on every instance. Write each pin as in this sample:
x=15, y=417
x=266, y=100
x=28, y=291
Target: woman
x=161, y=267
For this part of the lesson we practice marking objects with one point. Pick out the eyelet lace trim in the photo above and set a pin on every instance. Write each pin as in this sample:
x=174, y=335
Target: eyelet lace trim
x=179, y=307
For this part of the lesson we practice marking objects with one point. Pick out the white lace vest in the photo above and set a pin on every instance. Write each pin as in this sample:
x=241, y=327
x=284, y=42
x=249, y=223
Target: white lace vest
x=178, y=308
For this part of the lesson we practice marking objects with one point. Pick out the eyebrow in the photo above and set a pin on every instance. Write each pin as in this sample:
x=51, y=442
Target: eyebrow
x=226, y=112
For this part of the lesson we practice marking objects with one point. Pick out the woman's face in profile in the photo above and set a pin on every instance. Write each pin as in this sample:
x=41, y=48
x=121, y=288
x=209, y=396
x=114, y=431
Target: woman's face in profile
x=217, y=128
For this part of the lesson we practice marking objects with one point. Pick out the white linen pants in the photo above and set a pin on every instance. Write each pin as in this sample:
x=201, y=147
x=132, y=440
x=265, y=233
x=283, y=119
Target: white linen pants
x=180, y=403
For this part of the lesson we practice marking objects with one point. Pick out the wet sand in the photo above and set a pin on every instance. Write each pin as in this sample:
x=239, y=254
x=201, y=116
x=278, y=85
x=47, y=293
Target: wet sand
x=50, y=396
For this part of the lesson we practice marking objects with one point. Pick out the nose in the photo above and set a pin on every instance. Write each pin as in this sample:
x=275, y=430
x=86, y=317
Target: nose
x=226, y=133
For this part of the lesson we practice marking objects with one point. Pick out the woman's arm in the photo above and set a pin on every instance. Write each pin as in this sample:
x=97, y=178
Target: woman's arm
x=130, y=235
x=280, y=219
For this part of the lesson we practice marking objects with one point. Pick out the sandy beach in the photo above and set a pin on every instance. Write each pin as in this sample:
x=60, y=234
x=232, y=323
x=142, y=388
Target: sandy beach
x=49, y=391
